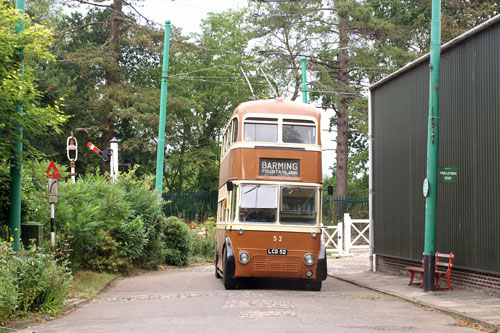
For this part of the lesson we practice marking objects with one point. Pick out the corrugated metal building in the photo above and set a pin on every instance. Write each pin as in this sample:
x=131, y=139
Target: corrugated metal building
x=468, y=213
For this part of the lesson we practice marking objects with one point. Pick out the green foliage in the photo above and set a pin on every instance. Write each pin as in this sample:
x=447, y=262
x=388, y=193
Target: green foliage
x=204, y=240
x=101, y=225
x=9, y=291
x=104, y=254
x=179, y=242
x=143, y=199
x=19, y=96
x=31, y=281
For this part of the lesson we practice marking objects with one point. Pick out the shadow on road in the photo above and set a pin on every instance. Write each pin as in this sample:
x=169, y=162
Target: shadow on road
x=272, y=284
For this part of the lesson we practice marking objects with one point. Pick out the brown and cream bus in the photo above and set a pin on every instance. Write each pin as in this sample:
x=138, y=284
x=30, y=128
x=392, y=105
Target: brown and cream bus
x=269, y=204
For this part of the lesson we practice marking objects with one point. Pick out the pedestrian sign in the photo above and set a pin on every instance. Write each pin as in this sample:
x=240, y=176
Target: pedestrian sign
x=55, y=173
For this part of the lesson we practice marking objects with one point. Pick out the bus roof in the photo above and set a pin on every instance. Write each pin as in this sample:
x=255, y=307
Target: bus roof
x=277, y=106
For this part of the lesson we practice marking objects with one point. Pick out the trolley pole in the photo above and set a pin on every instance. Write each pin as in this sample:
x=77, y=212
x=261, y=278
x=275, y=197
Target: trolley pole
x=430, y=183
x=304, y=80
x=15, y=169
x=160, y=157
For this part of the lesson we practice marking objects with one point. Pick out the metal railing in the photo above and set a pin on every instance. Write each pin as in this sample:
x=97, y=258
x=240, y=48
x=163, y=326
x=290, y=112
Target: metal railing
x=196, y=206
x=334, y=208
x=192, y=206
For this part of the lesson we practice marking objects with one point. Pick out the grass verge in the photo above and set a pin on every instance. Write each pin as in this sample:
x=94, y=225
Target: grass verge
x=86, y=284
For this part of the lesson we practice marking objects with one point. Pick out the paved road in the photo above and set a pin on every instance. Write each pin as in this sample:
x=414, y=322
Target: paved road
x=193, y=300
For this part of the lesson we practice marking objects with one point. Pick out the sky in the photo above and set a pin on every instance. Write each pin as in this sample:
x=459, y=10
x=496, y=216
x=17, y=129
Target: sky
x=187, y=14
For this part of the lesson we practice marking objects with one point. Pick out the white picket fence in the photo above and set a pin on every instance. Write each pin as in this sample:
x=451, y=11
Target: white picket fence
x=351, y=234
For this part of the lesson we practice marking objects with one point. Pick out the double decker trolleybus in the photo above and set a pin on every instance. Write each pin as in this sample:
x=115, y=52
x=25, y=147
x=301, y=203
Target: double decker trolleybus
x=269, y=203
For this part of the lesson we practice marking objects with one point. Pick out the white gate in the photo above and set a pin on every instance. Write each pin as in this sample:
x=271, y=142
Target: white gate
x=352, y=234
x=334, y=238
x=356, y=234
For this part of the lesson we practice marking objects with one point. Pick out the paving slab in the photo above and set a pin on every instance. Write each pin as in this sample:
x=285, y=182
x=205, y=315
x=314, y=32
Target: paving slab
x=469, y=304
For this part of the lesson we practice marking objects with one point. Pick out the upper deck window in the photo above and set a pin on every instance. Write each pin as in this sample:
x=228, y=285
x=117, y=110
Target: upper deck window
x=299, y=131
x=261, y=130
x=234, y=129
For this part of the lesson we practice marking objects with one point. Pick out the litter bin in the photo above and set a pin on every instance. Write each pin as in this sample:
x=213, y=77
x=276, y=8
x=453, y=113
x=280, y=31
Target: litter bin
x=32, y=231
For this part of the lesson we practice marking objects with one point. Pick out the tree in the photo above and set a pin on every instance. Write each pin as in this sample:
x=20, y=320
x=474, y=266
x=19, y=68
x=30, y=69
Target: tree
x=413, y=19
x=206, y=86
x=337, y=38
x=18, y=87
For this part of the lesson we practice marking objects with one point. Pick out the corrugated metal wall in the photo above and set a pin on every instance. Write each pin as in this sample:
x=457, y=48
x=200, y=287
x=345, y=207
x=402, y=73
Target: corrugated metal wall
x=468, y=216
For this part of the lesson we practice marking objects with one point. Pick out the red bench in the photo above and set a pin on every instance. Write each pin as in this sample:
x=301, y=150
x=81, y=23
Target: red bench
x=441, y=269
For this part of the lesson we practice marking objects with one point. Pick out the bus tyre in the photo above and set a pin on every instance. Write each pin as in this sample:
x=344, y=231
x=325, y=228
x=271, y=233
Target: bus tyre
x=229, y=281
x=314, y=285
x=217, y=274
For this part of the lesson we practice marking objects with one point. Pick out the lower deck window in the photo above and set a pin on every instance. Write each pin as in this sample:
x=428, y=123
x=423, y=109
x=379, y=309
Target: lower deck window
x=258, y=203
x=298, y=205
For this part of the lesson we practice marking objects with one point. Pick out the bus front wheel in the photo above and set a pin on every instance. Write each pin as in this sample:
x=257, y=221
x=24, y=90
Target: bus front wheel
x=229, y=281
x=217, y=274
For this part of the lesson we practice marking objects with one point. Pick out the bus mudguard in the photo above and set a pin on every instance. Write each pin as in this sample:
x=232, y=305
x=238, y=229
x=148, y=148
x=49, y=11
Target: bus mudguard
x=321, y=271
x=231, y=266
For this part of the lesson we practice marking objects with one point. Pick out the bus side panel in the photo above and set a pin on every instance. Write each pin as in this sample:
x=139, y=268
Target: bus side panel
x=262, y=264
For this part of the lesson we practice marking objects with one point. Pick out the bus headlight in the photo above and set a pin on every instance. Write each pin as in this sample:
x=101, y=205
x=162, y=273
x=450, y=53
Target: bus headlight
x=309, y=259
x=244, y=258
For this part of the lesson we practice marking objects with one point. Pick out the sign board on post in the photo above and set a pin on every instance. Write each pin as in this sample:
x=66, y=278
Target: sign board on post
x=448, y=174
x=55, y=173
x=52, y=190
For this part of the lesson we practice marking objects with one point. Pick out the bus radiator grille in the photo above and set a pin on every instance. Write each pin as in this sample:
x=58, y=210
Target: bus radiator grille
x=265, y=264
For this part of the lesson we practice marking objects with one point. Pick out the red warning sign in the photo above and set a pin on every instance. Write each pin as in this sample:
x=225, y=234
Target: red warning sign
x=55, y=173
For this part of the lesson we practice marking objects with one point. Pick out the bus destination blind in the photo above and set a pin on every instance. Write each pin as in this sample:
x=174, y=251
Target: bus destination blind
x=279, y=167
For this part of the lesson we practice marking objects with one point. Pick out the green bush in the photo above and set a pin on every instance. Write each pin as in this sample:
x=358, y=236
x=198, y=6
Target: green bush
x=100, y=225
x=105, y=255
x=178, y=241
x=204, y=240
x=9, y=291
x=105, y=226
x=31, y=280
x=43, y=280
x=143, y=199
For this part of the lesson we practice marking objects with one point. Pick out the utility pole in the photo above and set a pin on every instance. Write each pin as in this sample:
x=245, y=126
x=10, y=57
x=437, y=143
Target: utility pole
x=160, y=154
x=15, y=169
x=304, y=79
x=430, y=186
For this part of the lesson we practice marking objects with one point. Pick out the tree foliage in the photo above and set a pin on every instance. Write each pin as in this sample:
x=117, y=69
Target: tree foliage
x=19, y=95
x=108, y=67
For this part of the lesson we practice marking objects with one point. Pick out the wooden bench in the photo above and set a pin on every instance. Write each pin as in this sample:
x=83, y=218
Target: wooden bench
x=441, y=269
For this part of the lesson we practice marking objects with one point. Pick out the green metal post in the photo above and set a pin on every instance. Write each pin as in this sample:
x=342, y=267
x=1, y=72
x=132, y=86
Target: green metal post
x=304, y=80
x=432, y=149
x=15, y=169
x=160, y=157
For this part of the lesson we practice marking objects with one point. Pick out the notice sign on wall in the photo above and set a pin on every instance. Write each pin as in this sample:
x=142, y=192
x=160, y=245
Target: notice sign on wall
x=448, y=174
x=275, y=167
